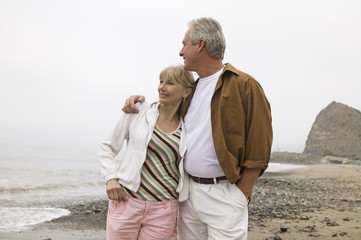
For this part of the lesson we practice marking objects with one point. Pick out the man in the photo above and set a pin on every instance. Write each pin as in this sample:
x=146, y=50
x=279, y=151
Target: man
x=229, y=138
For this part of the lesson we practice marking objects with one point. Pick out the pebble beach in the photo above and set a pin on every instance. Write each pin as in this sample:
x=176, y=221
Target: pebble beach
x=320, y=201
x=316, y=202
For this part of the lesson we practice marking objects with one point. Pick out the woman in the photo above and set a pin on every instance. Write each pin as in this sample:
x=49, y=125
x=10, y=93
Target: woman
x=143, y=185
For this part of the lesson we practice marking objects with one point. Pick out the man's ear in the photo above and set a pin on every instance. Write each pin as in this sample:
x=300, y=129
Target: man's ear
x=201, y=45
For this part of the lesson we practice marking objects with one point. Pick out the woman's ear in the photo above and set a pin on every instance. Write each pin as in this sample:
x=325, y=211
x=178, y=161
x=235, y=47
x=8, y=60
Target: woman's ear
x=187, y=92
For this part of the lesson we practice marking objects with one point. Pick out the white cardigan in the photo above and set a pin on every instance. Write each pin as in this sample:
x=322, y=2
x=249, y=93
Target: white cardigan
x=136, y=130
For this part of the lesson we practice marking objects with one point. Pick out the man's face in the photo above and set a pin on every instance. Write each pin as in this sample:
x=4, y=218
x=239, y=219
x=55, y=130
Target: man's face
x=189, y=52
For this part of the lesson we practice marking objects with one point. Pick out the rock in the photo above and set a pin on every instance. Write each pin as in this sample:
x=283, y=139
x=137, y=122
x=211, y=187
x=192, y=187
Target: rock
x=283, y=229
x=314, y=234
x=309, y=229
x=334, y=223
x=336, y=132
x=343, y=234
x=330, y=223
x=277, y=237
x=88, y=211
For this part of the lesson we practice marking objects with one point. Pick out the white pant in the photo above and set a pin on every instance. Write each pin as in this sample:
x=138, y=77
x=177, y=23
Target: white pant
x=214, y=212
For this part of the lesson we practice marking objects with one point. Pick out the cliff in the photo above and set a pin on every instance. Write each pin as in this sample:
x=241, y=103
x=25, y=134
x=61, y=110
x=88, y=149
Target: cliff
x=336, y=132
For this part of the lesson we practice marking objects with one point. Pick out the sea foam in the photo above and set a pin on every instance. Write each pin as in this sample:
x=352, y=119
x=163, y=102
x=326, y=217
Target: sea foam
x=19, y=219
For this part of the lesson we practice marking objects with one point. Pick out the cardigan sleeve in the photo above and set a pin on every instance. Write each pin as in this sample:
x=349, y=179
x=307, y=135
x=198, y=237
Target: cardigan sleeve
x=113, y=144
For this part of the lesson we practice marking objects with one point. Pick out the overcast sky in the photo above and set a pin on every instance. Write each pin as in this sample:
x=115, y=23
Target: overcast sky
x=66, y=67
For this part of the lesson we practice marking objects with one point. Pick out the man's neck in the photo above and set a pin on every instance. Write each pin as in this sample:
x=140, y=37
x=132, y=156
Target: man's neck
x=210, y=68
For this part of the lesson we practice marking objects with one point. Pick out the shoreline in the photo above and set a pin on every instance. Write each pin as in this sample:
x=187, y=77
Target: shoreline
x=322, y=200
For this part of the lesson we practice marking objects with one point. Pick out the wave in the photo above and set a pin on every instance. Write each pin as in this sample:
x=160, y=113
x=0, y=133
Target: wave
x=278, y=167
x=48, y=187
x=18, y=219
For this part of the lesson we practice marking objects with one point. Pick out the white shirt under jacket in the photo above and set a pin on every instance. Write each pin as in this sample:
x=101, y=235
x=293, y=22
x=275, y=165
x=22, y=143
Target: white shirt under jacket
x=136, y=130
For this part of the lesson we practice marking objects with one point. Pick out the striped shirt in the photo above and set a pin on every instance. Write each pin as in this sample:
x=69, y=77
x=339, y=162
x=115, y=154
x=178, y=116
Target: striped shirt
x=159, y=176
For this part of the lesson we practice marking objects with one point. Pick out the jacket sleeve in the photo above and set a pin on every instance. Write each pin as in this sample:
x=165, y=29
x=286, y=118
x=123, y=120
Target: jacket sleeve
x=259, y=132
x=113, y=144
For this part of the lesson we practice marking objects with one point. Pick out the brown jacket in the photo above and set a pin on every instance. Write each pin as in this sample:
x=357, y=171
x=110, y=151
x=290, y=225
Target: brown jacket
x=241, y=123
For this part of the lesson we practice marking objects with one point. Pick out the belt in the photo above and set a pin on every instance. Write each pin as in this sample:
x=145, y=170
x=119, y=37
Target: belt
x=208, y=180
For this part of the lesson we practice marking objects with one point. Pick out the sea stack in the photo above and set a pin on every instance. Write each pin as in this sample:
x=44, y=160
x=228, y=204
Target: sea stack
x=336, y=132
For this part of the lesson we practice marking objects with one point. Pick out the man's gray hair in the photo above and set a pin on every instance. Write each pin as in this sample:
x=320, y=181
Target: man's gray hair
x=211, y=31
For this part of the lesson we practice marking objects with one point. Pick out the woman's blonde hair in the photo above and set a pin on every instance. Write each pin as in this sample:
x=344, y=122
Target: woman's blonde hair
x=178, y=75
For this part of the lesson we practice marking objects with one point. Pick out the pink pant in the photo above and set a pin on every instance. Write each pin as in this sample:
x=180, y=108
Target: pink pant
x=139, y=219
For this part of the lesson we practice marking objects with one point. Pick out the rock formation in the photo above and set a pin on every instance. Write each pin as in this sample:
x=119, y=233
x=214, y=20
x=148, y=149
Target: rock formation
x=336, y=132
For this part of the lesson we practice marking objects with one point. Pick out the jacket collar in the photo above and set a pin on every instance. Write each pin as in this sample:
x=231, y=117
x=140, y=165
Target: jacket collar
x=227, y=67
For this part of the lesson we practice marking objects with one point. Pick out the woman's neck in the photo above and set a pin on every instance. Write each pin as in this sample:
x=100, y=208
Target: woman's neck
x=168, y=119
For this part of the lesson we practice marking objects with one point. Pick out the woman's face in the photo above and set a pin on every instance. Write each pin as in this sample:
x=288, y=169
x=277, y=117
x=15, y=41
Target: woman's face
x=170, y=92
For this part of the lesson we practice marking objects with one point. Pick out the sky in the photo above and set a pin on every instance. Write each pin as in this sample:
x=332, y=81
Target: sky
x=67, y=66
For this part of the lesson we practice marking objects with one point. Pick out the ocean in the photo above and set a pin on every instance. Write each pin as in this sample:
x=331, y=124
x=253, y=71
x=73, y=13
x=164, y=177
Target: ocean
x=36, y=183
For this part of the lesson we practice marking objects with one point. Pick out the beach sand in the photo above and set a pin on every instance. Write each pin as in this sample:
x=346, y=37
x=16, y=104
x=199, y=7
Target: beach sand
x=315, y=202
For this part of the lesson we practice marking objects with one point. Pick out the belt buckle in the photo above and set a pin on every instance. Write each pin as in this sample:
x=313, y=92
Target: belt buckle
x=198, y=180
